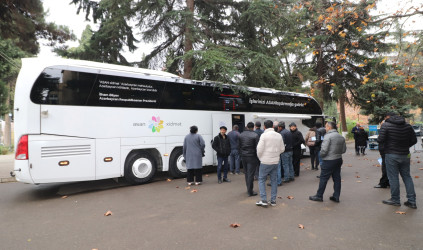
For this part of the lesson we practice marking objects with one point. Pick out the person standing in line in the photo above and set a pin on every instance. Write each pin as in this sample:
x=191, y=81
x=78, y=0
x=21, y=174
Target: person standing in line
x=362, y=138
x=258, y=131
x=297, y=140
x=355, y=131
x=234, y=162
x=320, y=133
x=287, y=169
x=269, y=148
x=333, y=147
x=310, y=140
x=397, y=137
x=248, y=141
x=384, y=181
x=193, y=152
x=222, y=146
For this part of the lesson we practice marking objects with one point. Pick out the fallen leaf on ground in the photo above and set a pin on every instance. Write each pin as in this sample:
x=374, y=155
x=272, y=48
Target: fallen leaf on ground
x=275, y=238
x=187, y=188
x=357, y=176
x=235, y=225
x=64, y=197
x=301, y=226
x=290, y=197
x=418, y=161
x=279, y=197
x=342, y=180
x=416, y=176
x=168, y=180
x=177, y=186
x=29, y=240
x=301, y=164
x=400, y=212
x=108, y=213
x=207, y=175
x=307, y=168
x=194, y=191
x=349, y=165
x=359, y=181
x=420, y=168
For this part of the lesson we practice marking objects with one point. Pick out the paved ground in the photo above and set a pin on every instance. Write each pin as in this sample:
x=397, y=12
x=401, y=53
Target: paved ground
x=6, y=165
x=164, y=215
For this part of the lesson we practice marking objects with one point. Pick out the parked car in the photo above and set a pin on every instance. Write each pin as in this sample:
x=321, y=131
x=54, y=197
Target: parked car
x=417, y=129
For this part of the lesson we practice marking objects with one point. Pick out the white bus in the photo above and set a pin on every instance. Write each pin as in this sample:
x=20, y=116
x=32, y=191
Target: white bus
x=79, y=120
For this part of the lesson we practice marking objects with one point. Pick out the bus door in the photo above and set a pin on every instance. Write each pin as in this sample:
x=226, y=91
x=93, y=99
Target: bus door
x=239, y=120
x=107, y=158
x=220, y=120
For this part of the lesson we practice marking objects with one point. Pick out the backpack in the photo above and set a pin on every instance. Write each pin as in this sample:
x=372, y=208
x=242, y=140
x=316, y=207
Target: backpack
x=310, y=142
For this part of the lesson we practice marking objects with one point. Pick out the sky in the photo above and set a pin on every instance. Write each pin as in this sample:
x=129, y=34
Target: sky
x=61, y=13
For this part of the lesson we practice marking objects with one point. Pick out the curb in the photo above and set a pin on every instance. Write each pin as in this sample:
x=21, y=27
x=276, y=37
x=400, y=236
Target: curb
x=8, y=179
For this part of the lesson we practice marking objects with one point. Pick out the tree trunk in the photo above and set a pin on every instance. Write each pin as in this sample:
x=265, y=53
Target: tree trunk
x=342, y=112
x=188, y=40
x=7, y=139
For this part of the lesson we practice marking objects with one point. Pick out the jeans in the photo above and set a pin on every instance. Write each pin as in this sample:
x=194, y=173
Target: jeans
x=221, y=160
x=250, y=163
x=328, y=169
x=263, y=172
x=288, y=168
x=318, y=156
x=399, y=164
x=234, y=161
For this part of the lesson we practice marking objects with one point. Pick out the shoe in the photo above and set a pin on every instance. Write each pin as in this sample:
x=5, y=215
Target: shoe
x=357, y=154
x=410, y=205
x=190, y=183
x=380, y=186
x=316, y=168
x=272, y=203
x=268, y=184
x=334, y=199
x=226, y=180
x=318, y=176
x=219, y=181
x=286, y=181
x=296, y=175
x=315, y=198
x=198, y=183
x=252, y=194
x=292, y=179
x=236, y=173
x=280, y=184
x=391, y=202
x=231, y=172
x=261, y=203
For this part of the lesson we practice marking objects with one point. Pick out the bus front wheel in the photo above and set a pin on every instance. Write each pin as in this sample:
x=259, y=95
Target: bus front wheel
x=177, y=166
x=140, y=168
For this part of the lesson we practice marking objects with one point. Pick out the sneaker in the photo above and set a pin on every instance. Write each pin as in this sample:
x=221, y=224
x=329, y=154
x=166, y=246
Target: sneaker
x=236, y=173
x=410, y=205
x=261, y=203
x=272, y=203
x=198, y=183
x=226, y=180
x=219, y=181
x=190, y=183
x=286, y=181
x=231, y=172
x=391, y=202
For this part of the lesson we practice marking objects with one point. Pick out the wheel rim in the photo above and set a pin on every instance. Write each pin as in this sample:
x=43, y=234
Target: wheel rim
x=181, y=165
x=142, y=167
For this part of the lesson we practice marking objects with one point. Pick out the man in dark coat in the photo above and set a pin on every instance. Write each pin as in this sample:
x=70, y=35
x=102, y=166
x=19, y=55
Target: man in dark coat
x=248, y=141
x=397, y=137
x=258, y=131
x=297, y=140
x=355, y=131
x=384, y=181
x=222, y=146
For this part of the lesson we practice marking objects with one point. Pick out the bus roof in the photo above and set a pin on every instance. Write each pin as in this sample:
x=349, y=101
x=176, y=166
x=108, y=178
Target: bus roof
x=56, y=61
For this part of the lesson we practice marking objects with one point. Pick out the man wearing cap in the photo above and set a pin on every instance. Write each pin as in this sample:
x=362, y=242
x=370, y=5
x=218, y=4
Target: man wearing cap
x=297, y=140
x=222, y=146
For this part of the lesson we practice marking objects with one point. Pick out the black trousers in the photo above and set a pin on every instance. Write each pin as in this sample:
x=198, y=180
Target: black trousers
x=197, y=173
x=384, y=181
x=357, y=149
x=250, y=164
x=314, y=158
x=296, y=158
x=331, y=168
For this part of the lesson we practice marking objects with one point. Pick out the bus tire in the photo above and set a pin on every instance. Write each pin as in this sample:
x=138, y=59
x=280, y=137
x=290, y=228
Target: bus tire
x=177, y=166
x=140, y=167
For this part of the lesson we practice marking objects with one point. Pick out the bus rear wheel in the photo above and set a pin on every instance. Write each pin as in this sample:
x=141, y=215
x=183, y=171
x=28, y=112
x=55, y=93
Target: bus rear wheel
x=140, y=167
x=177, y=166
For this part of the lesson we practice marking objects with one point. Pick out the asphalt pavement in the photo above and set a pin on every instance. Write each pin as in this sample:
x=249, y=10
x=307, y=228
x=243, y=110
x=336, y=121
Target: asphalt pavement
x=166, y=215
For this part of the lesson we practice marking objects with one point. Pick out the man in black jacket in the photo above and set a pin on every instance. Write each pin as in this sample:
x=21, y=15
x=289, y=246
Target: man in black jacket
x=248, y=141
x=297, y=140
x=384, y=181
x=222, y=146
x=397, y=137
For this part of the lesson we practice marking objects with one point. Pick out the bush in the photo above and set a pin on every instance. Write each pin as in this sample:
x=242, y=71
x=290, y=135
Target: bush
x=5, y=150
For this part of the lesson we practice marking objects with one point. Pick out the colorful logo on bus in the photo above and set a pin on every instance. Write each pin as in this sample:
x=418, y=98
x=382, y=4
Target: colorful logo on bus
x=156, y=124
